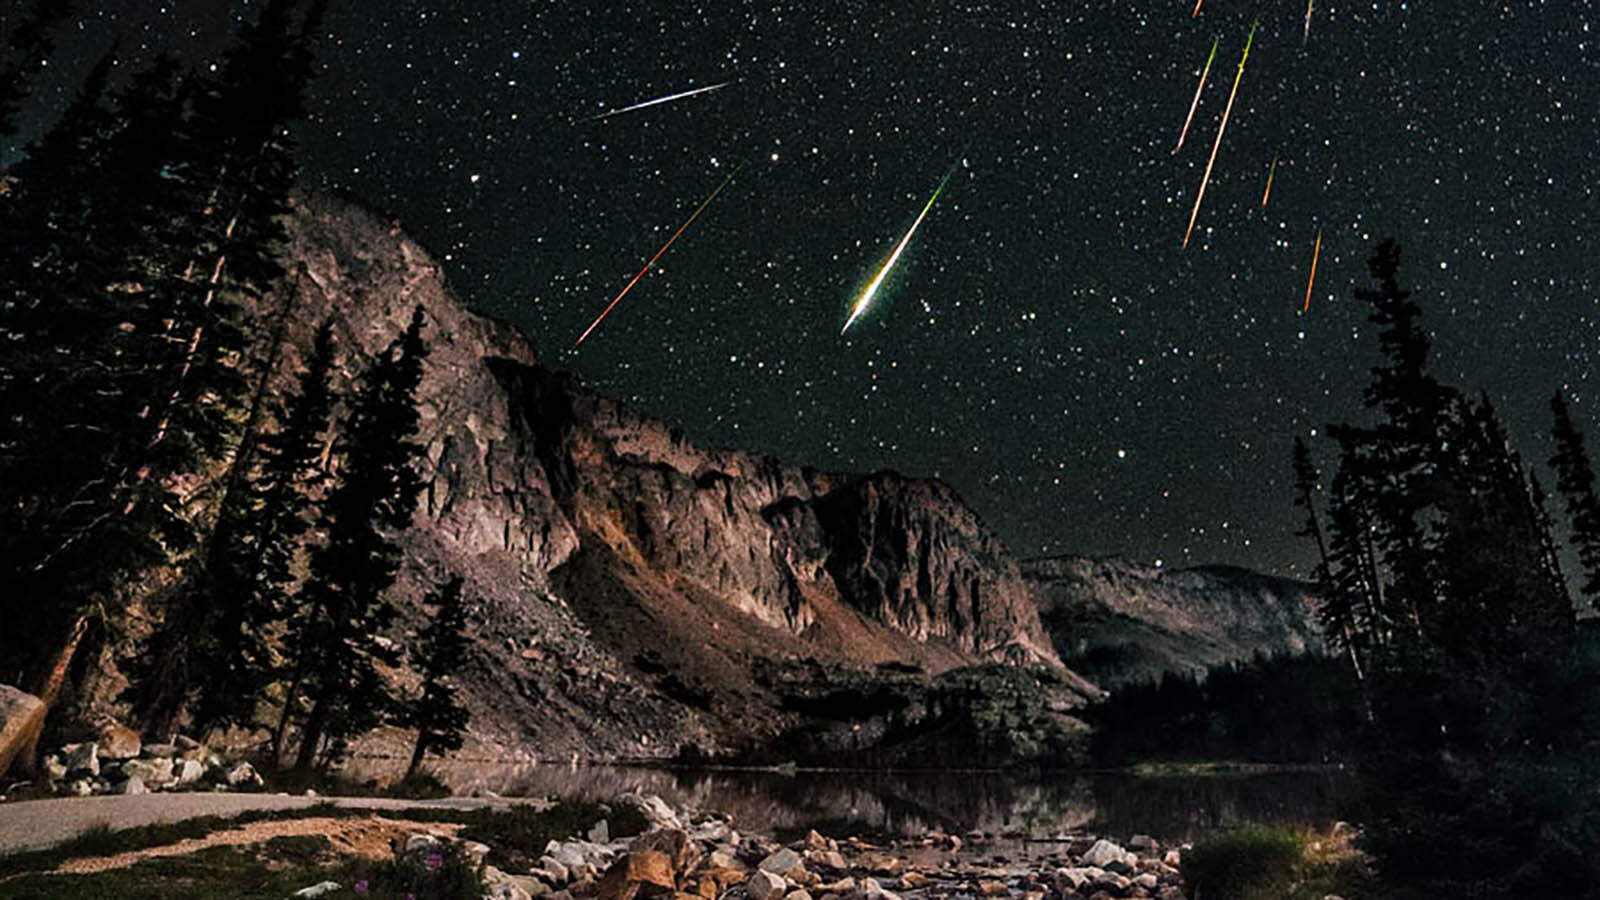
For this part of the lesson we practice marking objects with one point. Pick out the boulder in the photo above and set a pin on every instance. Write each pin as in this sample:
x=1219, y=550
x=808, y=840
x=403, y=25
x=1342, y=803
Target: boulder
x=654, y=809
x=82, y=758
x=156, y=773
x=21, y=719
x=188, y=771
x=159, y=751
x=1104, y=852
x=500, y=886
x=781, y=861
x=134, y=785
x=1147, y=881
x=764, y=885
x=880, y=863
x=119, y=742
x=55, y=768
x=642, y=873
x=80, y=788
x=675, y=843
x=827, y=859
x=600, y=833
x=321, y=888
x=242, y=775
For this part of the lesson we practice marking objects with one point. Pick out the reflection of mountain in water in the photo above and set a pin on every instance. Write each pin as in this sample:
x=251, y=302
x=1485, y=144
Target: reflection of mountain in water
x=912, y=803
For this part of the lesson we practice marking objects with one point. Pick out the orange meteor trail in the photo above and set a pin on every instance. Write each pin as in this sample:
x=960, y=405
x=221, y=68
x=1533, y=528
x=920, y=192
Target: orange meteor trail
x=1195, y=103
x=1220, y=129
x=1312, y=282
x=1307, y=32
x=664, y=247
x=1271, y=170
x=1197, y=5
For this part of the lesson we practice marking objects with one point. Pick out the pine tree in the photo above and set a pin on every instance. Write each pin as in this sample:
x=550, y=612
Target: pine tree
x=1575, y=480
x=336, y=640
x=27, y=51
x=436, y=712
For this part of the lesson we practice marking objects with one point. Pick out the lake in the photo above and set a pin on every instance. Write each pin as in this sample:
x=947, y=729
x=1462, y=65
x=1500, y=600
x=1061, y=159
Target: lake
x=1034, y=805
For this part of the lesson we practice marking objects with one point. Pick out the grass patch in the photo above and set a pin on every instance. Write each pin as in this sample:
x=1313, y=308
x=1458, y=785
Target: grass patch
x=517, y=836
x=1260, y=862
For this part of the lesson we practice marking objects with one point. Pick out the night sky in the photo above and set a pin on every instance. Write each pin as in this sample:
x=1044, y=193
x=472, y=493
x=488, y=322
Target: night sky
x=1044, y=344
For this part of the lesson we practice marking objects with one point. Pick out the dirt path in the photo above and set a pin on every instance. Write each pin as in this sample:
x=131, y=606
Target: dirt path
x=370, y=838
x=38, y=824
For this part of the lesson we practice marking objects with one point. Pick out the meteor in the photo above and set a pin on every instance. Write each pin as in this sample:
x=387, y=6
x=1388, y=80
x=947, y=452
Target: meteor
x=664, y=247
x=667, y=99
x=1226, y=110
x=883, y=271
x=1197, y=5
x=1195, y=103
x=1312, y=281
x=1307, y=32
x=1271, y=170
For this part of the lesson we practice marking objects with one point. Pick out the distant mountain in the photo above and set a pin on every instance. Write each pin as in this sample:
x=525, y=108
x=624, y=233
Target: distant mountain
x=1119, y=623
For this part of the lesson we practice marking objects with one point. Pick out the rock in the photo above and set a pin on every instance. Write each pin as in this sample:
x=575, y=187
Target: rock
x=764, y=885
x=872, y=890
x=912, y=880
x=474, y=852
x=723, y=859
x=1173, y=859
x=988, y=887
x=780, y=862
x=642, y=873
x=1104, y=852
x=55, y=768
x=535, y=887
x=134, y=785
x=500, y=886
x=82, y=758
x=188, y=771
x=1078, y=877
x=600, y=833
x=880, y=863
x=552, y=871
x=1143, y=843
x=1147, y=881
x=159, y=751
x=184, y=742
x=1170, y=892
x=713, y=831
x=655, y=810
x=119, y=742
x=21, y=719
x=1112, y=880
x=844, y=885
x=80, y=788
x=420, y=843
x=242, y=775
x=156, y=773
x=318, y=890
x=827, y=859
x=675, y=843
x=797, y=894
x=815, y=841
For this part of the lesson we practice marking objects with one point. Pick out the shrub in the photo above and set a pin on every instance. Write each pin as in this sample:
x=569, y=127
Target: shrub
x=1252, y=863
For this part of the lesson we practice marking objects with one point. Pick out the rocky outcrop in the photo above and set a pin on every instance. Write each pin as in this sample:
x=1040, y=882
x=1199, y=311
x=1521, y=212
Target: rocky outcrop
x=1119, y=623
x=637, y=593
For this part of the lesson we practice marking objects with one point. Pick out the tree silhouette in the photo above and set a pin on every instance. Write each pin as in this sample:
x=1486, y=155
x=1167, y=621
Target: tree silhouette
x=436, y=712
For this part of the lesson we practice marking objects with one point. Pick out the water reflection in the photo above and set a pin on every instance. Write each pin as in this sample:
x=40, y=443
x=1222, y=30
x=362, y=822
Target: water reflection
x=1035, y=805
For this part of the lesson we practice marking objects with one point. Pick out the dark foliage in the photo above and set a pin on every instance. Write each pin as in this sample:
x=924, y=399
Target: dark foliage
x=436, y=712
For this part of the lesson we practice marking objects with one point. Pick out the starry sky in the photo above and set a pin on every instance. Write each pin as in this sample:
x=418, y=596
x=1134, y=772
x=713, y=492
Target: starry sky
x=1045, y=343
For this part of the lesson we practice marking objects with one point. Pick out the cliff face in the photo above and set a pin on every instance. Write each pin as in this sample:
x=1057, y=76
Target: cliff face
x=1118, y=623
x=638, y=593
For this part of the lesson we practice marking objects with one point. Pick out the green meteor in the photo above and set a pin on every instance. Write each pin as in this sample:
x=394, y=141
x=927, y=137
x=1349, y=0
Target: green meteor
x=863, y=301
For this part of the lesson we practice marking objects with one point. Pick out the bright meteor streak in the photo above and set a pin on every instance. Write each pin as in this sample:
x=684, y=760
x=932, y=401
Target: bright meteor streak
x=1220, y=129
x=664, y=247
x=1307, y=32
x=667, y=99
x=1195, y=103
x=1312, y=281
x=863, y=301
x=1271, y=171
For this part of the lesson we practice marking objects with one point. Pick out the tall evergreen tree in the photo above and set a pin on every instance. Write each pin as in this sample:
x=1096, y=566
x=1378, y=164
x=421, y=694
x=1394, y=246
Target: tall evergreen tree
x=1575, y=480
x=436, y=712
x=336, y=638
x=27, y=50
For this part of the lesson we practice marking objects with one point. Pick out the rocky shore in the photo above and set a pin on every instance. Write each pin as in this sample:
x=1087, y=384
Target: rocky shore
x=687, y=856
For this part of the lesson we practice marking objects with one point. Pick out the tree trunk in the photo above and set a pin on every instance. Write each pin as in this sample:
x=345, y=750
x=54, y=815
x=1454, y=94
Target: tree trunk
x=311, y=735
x=417, y=754
x=26, y=756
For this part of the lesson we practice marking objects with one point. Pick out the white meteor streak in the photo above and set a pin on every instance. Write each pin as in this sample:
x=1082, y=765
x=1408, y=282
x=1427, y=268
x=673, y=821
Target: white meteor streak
x=667, y=99
x=865, y=299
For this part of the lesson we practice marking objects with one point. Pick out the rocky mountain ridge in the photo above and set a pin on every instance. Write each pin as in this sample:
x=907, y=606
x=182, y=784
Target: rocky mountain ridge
x=639, y=595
